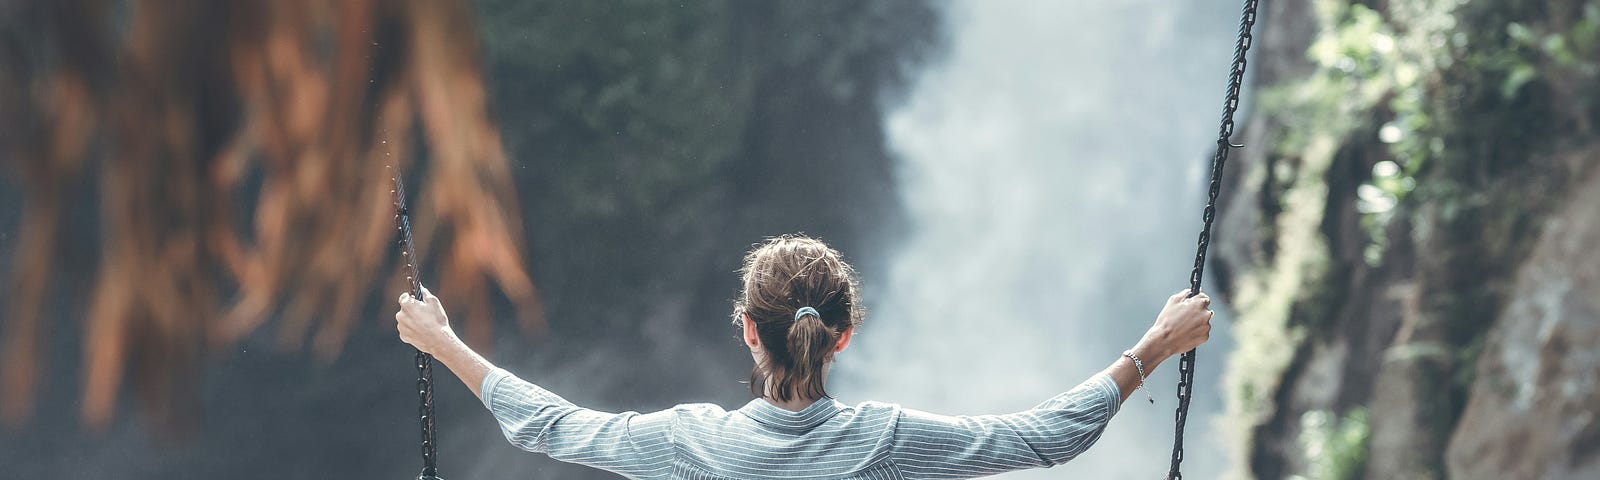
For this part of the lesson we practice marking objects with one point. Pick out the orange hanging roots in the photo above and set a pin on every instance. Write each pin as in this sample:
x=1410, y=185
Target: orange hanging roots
x=314, y=98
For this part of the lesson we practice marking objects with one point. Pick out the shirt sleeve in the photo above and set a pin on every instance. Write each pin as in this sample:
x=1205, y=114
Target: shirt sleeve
x=534, y=419
x=928, y=445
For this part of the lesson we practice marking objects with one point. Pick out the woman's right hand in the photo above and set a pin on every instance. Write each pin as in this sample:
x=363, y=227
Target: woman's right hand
x=1183, y=324
x=423, y=323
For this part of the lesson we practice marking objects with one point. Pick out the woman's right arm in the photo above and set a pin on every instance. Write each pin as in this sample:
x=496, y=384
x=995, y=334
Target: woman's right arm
x=535, y=419
x=1056, y=431
x=631, y=444
x=424, y=324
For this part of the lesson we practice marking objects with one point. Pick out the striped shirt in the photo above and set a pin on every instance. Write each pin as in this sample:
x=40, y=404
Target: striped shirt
x=827, y=440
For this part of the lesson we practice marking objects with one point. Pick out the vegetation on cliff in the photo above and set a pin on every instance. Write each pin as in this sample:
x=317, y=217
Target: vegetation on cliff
x=1409, y=171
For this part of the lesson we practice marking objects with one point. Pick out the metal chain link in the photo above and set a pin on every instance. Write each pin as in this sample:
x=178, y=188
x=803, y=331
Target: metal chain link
x=1224, y=144
x=430, y=454
x=424, y=362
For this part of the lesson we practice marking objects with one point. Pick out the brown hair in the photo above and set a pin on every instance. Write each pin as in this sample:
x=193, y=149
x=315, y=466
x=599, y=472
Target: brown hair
x=781, y=276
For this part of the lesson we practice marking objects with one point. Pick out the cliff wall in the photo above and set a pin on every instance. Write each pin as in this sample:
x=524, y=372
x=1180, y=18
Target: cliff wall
x=1410, y=243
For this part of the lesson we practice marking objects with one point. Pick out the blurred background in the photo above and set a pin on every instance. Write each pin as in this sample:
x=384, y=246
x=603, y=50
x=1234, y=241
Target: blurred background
x=196, y=229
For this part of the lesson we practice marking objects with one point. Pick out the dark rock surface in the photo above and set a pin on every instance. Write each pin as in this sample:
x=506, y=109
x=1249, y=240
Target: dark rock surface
x=1532, y=412
x=1450, y=333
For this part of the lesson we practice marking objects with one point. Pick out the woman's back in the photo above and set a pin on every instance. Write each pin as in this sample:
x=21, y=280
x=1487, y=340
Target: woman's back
x=827, y=440
x=762, y=441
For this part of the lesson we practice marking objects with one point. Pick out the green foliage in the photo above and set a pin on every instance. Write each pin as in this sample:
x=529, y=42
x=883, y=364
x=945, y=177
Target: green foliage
x=624, y=109
x=621, y=104
x=1367, y=65
x=1335, y=447
x=1395, y=73
x=1577, y=48
x=1364, y=64
x=644, y=134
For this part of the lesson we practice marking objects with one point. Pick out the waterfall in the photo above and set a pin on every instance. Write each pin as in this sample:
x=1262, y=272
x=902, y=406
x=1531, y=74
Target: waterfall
x=1052, y=165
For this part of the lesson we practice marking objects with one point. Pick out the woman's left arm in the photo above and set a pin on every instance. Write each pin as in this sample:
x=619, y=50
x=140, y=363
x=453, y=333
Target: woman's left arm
x=1058, y=430
x=929, y=445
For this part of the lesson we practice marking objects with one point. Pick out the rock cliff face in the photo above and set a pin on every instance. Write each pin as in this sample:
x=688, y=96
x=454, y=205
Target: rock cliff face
x=1531, y=411
x=1410, y=244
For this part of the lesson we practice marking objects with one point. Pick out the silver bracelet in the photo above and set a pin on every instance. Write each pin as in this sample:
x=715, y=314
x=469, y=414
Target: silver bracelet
x=1139, y=365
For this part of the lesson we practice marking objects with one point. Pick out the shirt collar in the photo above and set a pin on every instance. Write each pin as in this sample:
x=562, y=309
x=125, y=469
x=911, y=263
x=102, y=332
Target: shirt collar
x=766, y=413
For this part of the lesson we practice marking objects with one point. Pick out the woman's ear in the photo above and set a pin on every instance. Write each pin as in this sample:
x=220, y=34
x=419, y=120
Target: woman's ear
x=751, y=338
x=844, y=339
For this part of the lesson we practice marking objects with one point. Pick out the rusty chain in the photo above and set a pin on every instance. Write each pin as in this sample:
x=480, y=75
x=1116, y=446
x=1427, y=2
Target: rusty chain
x=424, y=362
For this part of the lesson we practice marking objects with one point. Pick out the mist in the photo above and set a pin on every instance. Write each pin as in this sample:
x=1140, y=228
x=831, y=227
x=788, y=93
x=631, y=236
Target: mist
x=1051, y=165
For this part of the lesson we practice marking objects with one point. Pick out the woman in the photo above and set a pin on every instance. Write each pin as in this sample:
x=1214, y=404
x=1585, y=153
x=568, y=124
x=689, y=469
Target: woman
x=799, y=306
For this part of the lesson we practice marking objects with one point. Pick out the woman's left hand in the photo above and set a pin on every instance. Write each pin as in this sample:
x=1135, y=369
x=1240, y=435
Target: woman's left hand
x=424, y=324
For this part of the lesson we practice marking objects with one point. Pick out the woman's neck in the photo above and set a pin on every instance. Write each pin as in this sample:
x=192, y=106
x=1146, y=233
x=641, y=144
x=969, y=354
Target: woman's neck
x=793, y=404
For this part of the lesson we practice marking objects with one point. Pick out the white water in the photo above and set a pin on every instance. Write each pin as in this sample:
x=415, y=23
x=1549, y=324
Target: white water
x=1053, y=167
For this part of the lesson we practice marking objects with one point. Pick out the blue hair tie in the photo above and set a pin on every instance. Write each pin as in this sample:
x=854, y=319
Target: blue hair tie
x=803, y=311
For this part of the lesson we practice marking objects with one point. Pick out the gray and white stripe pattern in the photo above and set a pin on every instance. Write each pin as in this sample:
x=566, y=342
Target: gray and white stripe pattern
x=827, y=440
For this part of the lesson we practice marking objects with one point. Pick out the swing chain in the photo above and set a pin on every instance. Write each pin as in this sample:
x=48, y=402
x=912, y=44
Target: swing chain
x=423, y=361
x=1224, y=144
x=430, y=454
